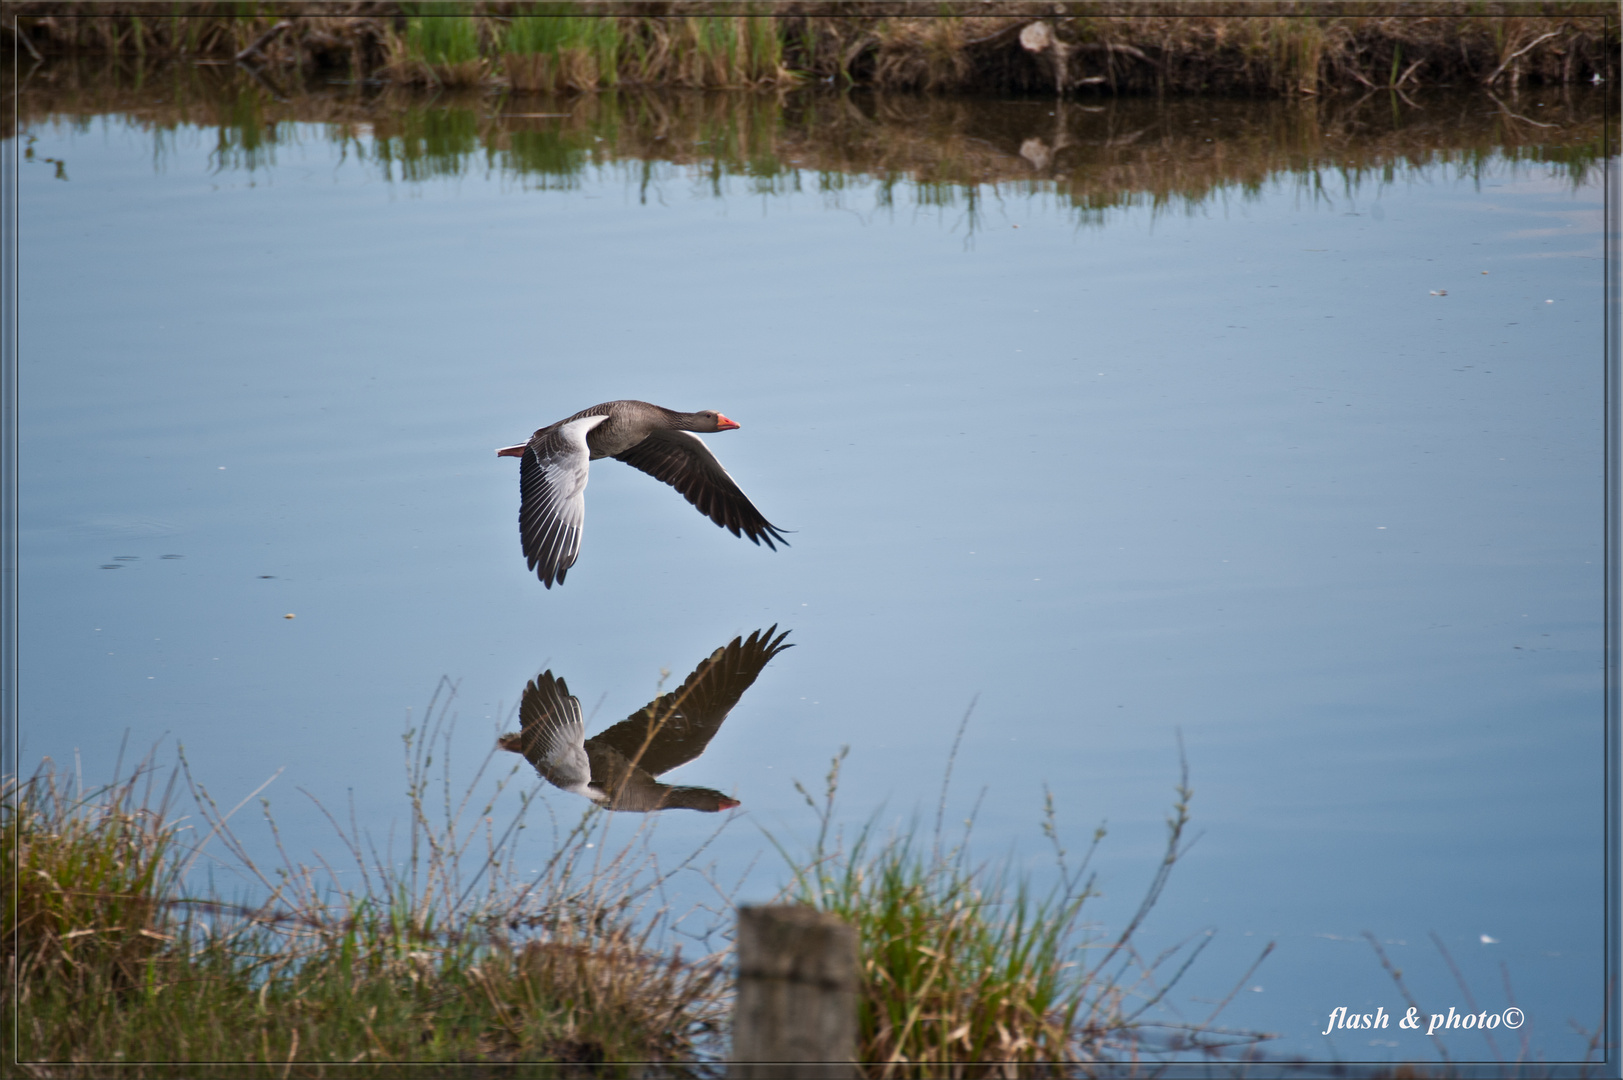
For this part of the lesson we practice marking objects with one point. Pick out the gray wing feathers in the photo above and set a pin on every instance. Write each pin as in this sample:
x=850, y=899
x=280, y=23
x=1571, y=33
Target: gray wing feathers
x=552, y=733
x=552, y=503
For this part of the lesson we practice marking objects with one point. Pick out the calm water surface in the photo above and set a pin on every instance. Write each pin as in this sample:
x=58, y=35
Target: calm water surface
x=1301, y=462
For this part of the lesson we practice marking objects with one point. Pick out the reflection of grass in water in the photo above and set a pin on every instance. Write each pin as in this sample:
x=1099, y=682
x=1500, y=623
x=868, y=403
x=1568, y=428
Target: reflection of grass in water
x=557, y=155
x=245, y=140
x=557, y=158
x=1168, y=154
x=426, y=143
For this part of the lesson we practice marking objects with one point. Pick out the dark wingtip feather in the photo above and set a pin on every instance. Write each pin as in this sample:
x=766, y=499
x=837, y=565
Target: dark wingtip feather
x=769, y=533
x=773, y=646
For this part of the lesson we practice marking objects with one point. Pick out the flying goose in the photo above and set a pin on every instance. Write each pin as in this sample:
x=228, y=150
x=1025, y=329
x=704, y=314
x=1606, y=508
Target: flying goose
x=552, y=476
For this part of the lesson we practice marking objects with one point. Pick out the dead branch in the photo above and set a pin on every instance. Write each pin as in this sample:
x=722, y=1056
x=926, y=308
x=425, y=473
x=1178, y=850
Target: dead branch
x=1500, y=69
x=262, y=40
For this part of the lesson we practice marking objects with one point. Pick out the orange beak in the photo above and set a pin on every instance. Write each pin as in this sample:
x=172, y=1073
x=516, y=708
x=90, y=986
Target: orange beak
x=724, y=424
x=726, y=803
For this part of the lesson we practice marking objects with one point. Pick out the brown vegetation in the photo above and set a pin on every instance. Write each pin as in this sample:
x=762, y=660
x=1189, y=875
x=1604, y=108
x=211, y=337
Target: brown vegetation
x=91, y=874
x=1279, y=48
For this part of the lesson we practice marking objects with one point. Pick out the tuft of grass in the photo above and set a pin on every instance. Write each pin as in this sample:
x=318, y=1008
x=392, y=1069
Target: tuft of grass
x=763, y=44
x=93, y=870
x=554, y=51
x=715, y=52
x=441, y=45
x=1298, y=48
x=965, y=965
x=549, y=49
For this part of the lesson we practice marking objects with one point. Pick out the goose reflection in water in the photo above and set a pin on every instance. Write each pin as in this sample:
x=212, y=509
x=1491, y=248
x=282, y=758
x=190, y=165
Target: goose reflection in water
x=616, y=768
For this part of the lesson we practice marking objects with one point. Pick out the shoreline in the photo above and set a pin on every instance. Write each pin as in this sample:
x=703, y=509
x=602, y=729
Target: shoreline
x=1068, y=49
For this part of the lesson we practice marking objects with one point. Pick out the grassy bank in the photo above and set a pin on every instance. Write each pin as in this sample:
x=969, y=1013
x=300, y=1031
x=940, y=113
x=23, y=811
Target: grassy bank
x=446, y=955
x=1286, y=47
x=440, y=953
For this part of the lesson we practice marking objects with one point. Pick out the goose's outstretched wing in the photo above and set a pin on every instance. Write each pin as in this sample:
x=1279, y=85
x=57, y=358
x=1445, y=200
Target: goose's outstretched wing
x=552, y=500
x=682, y=460
x=674, y=728
x=551, y=735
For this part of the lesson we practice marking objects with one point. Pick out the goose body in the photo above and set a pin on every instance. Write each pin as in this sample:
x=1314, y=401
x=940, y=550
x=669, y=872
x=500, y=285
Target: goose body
x=656, y=440
x=616, y=768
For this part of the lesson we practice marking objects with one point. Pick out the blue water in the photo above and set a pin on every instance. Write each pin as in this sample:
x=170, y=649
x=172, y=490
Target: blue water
x=1234, y=473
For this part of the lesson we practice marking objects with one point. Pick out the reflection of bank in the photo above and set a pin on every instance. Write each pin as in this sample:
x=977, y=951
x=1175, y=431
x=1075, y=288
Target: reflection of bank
x=1093, y=152
x=616, y=768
